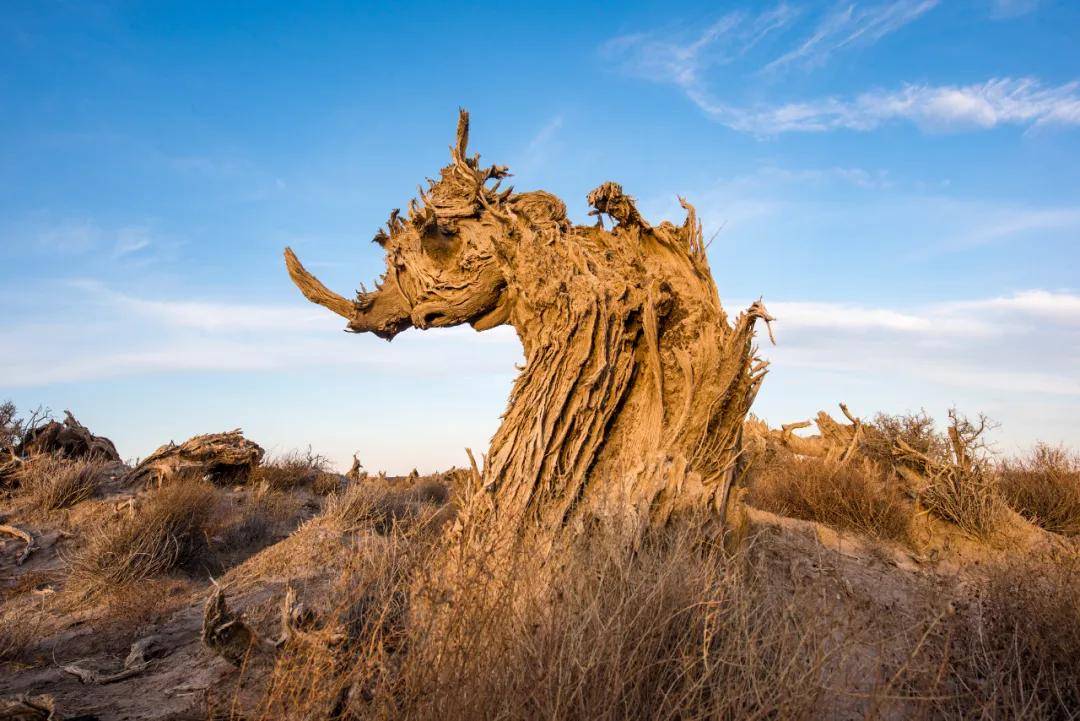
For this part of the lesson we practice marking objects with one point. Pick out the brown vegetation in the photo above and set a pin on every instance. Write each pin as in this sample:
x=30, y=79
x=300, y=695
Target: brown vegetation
x=296, y=468
x=1015, y=652
x=877, y=464
x=165, y=532
x=50, y=482
x=1044, y=487
x=849, y=496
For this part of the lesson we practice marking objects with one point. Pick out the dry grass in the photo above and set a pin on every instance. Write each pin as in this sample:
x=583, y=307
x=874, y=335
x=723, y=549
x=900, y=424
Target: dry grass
x=50, y=483
x=1015, y=652
x=1044, y=488
x=676, y=629
x=296, y=468
x=166, y=532
x=848, y=496
x=18, y=632
x=381, y=506
x=966, y=498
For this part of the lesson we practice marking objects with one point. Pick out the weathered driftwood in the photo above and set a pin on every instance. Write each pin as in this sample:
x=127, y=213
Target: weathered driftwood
x=137, y=661
x=28, y=708
x=69, y=439
x=25, y=536
x=835, y=441
x=636, y=382
x=223, y=458
x=224, y=632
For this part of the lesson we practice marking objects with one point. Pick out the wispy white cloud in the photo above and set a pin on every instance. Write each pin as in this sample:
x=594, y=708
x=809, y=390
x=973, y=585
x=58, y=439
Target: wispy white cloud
x=851, y=25
x=1007, y=223
x=1000, y=101
x=1038, y=304
x=132, y=335
x=685, y=61
x=82, y=237
x=993, y=345
x=208, y=316
x=682, y=60
x=131, y=240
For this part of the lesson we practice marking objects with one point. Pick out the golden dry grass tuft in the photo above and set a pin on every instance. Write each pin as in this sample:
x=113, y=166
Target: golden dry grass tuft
x=968, y=500
x=848, y=496
x=18, y=631
x=165, y=532
x=374, y=503
x=1044, y=487
x=50, y=483
x=296, y=468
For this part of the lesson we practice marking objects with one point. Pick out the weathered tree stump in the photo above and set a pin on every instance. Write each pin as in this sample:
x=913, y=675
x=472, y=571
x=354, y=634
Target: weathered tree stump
x=636, y=383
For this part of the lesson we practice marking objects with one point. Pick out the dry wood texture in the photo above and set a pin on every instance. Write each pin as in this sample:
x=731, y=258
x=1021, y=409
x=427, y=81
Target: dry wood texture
x=636, y=382
x=221, y=458
x=69, y=439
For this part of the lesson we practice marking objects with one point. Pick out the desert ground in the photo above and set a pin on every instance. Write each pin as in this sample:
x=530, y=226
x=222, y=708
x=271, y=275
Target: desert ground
x=870, y=569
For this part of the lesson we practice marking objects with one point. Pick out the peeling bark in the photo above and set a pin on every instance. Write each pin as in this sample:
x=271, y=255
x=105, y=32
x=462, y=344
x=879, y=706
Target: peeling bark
x=636, y=383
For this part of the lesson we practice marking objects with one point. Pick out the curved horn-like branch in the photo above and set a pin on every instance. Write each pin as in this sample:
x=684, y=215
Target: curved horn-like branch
x=315, y=291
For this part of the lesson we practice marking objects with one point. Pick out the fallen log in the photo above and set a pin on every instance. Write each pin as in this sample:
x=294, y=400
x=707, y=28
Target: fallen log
x=69, y=439
x=222, y=458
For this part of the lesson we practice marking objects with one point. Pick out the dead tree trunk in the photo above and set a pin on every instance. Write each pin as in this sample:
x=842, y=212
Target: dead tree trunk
x=636, y=384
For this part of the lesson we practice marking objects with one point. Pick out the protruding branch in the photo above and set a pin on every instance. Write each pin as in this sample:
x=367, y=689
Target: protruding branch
x=462, y=143
x=314, y=290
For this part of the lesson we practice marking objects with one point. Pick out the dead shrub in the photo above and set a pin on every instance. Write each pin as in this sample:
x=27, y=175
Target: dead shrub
x=965, y=498
x=10, y=426
x=882, y=436
x=166, y=532
x=849, y=496
x=51, y=483
x=1044, y=487
x=292, y=469
x=381, y=507
x=957, y=485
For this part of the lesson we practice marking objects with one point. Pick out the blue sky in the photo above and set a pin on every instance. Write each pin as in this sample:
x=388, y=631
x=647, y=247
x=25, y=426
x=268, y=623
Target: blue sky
x=898, y=178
